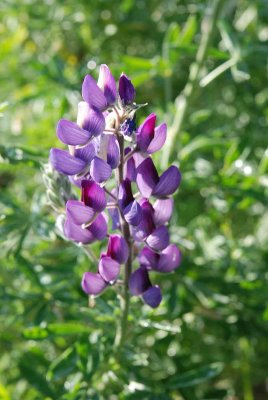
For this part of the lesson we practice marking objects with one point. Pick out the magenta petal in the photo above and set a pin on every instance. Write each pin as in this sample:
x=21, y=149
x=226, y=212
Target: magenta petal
x=109, y=269
x=65, y=163
x=170, y=259
x=93, y=195
x=113, y=152
x=139, y=281
x=118, y=248
x=148, y=258
x=126, y=89
x=92, y=94
x=79, y=213
x=107, y=83
x=152, y=296
x=100, y=170
x=91, y=120
x=145, y=132
x=99, y=227
x=93, y=284
x=168, y=182
x=87, y=153
x=133, y=213
x=147, y=177
x=70, y=133
x=160, y=135
x=159, y=239
x=77, y=233
x=163, y=209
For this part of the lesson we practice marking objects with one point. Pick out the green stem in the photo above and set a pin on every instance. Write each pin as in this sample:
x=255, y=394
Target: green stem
x=184, y=99
x=122, y=327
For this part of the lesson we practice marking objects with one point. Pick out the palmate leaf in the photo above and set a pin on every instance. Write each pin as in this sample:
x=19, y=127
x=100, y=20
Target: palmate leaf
x=195, y=376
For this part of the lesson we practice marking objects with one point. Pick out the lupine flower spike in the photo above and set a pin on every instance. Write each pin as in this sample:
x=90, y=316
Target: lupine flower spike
x=107, y=150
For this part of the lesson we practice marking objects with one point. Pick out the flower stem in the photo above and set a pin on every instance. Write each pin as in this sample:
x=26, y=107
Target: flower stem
x=122, y=327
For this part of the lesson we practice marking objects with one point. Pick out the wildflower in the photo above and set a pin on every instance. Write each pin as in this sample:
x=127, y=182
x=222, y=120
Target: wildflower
x=107, y=157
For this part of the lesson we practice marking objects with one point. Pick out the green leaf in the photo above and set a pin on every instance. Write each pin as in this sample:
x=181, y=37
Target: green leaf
x=195, y=376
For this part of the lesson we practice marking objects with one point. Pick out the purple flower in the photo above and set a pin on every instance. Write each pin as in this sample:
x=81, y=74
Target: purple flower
x=126, y=90
x=149, y=137
x=109, y=160
x=102, y=94
x=150, y=184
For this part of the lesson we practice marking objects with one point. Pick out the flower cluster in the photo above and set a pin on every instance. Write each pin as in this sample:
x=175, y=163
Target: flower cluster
x=108, y=159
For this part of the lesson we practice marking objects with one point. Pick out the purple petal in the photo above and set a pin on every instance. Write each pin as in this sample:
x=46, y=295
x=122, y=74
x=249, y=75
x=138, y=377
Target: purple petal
x=79, y=213
x=107, y=83
x=65, y=163
x=170, y=259
x=100, y=171
x=93, y=195
x=126, y=89
x=90, y=119
x=118, y=248
x=87, y=153
x=168, y=183
x=159, y=239
x=93, y=284
x=133, y=213
x=99, y=227
x=160, y=135
x=139, y=281
x=113, y=152
x=77, y=233
x=152, y=296
x=148, y=258
x=147, y=177
x=147, y=224
x=125, y=196
x=92, y=94
x=163, y=209
x=145, y=132
x=130, y=172
x=109, y=269
x=70, y=133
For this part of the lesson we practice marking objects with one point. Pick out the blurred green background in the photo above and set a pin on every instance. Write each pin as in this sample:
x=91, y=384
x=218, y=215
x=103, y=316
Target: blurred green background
x=208, y=339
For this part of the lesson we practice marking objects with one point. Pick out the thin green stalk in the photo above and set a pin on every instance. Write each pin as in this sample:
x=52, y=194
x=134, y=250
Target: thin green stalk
x=184, y=99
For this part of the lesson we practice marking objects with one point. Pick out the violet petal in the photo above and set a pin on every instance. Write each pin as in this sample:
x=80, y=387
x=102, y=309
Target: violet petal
x=145, y=132
x=113, y=152
x=133, y=213
x=168, y=182
x=99, y=227
x=163, y=209
x=107, y=83
x=118, y=248
x=92, y=94
x=159, y=239
x=126, y=89
x=160, y=135
x=87, y=153
x=152, y=296
x=78, y=212
x=93, y=195
x=109, y=269
x=70, y=133
x=170, y=259
x=139, y=281
x=100, y=170
x=65, y=163
x=90, y=119
x=148, y=258
x=75, y=232
x=93, y=284
x=147, y=177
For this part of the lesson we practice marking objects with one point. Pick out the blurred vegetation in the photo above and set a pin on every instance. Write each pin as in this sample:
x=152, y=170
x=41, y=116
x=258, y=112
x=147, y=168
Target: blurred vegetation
x=208, y=338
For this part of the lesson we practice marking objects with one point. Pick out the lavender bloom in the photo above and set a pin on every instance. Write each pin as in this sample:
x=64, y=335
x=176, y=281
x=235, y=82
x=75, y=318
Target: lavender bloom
x=108, y=159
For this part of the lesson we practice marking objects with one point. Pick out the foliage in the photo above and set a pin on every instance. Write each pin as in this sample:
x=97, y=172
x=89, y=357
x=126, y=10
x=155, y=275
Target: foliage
x=208, y=338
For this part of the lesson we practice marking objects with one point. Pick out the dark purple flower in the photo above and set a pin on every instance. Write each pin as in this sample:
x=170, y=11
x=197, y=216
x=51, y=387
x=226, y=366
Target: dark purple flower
x=102, y=94
x=130, y=207
x=93, y=195
x=126, y=90
x=150, y=184
x=97, y=230
x=118, y=248
x=165, y=261
x=152, y=296
x=139, y=281
x=109, y=269
x=93, y=284
x=149, y=137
